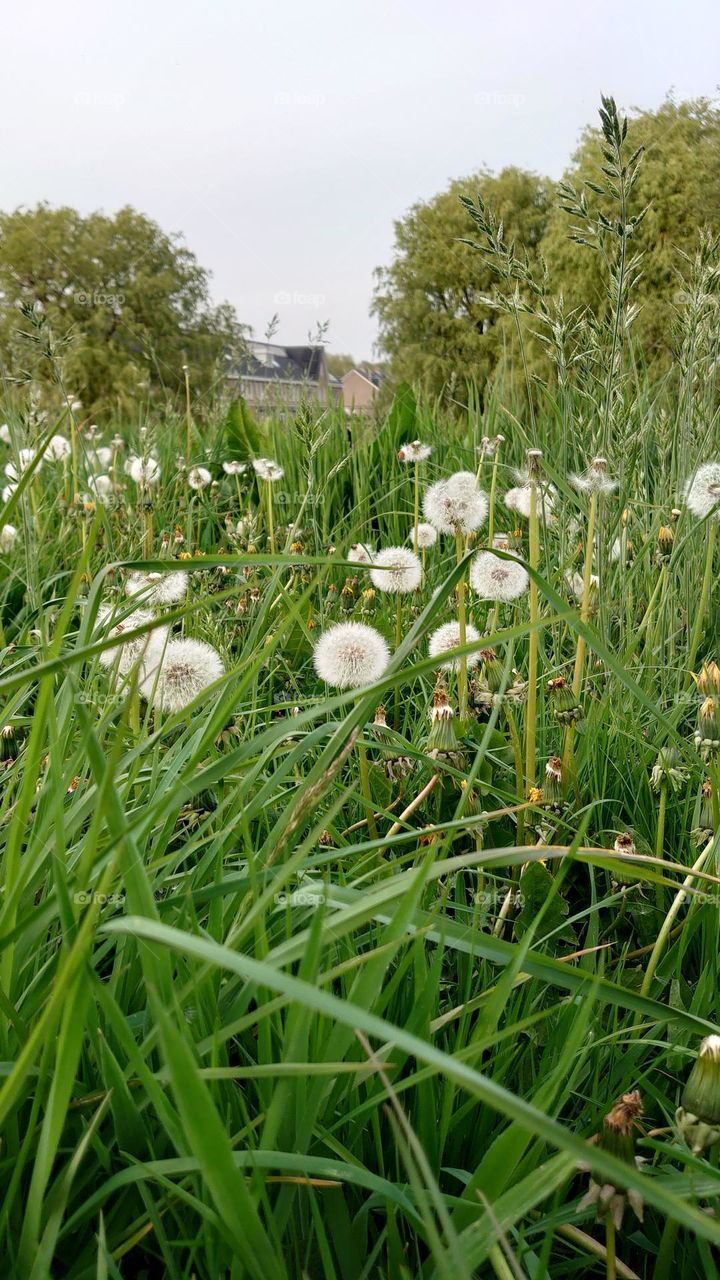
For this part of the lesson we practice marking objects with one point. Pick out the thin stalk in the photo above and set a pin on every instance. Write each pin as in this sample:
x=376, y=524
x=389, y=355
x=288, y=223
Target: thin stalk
x=704, y=597
x=517, y=755
x=271, y=526
x=660, y=836
x=365, y=788
x=585, y=600
x=667, y=924
x=462, y=665
x=531, y=704
x=610, y=1255
x=417, y=507
x=493, y=491
x=188, y=416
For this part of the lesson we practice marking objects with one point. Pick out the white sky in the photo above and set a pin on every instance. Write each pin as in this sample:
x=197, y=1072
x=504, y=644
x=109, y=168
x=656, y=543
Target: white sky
x=283, y=138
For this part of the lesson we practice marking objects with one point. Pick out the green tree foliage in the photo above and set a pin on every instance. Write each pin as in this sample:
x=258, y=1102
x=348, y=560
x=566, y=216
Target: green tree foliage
x=113, y=305
x=435, y=323
x=678, y=184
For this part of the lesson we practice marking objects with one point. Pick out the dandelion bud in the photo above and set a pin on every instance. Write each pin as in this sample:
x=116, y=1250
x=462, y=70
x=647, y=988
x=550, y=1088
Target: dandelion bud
x=698, y=1116
x=565, y=706
x=442, y=739
x=533, y=464
x=491, y=669
x=616, y=1137
x=554, y=785
x=666, y=538
x=8, y=742
x=708, y=682
x=707, y=734
x=624, y=846
x=668, y=770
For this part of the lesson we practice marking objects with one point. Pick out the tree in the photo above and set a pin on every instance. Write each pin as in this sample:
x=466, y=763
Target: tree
x=678, y=184
x=120, y=307
x=435, y=324
x=339, y=363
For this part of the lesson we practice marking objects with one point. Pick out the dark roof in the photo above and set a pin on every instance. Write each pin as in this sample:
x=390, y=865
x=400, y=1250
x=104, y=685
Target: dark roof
x=271, y=362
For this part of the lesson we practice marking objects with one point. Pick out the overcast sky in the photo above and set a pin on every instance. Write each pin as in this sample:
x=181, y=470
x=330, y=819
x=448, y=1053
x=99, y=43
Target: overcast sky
x=282, y=139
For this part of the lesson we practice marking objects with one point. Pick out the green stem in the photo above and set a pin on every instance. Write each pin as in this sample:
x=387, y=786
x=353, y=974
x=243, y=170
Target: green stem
x=271, y=527
x=531, y=704
x=493, y=491
x=667, y=924
x=610, y=1256
x=517, y=754
x=365, y=788
x=704, y=597
x=417, y=507
x=660, y=836
x=462, y=665
x=585, y=600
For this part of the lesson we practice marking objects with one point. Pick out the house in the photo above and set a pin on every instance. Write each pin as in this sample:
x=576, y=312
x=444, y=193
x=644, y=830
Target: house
x=360, y=388
x=276, y=379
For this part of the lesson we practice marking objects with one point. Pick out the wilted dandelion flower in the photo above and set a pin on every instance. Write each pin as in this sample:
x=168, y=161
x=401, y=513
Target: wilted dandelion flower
x=185, y=669
x=702, y=491
x=127, y=656
x=359, y=553
x=396, y=570
x=496, y=579
x=416, y=451
x=144, y=471
x=233, y=468
x=8, y=534
x=448, y=637
x=489, y=445
x=157, y=588
x=266, y=469
x=596, y=479
x=350, y=655
x=426, y=536
x=57, y=449
x=456, y=505
x=198, y=477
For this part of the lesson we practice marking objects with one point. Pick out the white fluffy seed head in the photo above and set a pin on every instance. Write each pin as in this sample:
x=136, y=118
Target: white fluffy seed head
x=359, y=553
x=144, y=471
x=519, y=498
x=710, y=1048
x=426, y=535
x=57, y=448
x=396, y=570
x=448, y=637
x=5, y=433
x=350, y=655
x=416, y=451
x=702, y=491
x=101, y=457
x=198, y=477
x=456, y=505
x=127, y=656
x=8, y=534
x=233, y=468
x=101, y=486
x=157, y=588
x=268, y=470
x=494, y=578
x=182, y=672
x=595, y=480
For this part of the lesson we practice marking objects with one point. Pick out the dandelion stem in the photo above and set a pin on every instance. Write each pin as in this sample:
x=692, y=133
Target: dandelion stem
x=462, y=665
x=585, y=600
x=417, y=507
x=610, y=1257
x=493, y=492
x=188, y=416
x=703, y=602
x=365, y=787
x=660, y=836
x=531, y=704
x=271, y=527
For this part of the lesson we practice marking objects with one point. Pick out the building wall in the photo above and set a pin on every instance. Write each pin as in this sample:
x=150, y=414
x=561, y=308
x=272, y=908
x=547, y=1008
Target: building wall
x=358, y=393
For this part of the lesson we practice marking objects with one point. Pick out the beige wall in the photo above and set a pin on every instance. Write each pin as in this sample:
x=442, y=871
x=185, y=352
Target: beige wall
x=358, y=393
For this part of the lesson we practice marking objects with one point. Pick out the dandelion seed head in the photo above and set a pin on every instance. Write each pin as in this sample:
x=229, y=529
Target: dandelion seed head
x=101, y=457
x=57, y=448
x=184, y=670
x=8, y=492
x=396, y=570
x=126, y=656
x=8, y=534
x=102, y=486
x=426, y=535
x=144, y=471
x=198, y=477
x=456, y=505
x=416, y=451
x=493, y=578
x=702, y=491
x=5, y=433
x=350, y=655
x=448, y=637
x=268, y=470
x=359, y=553
x=596, y=479
x=157, y=588
x=233, y=468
